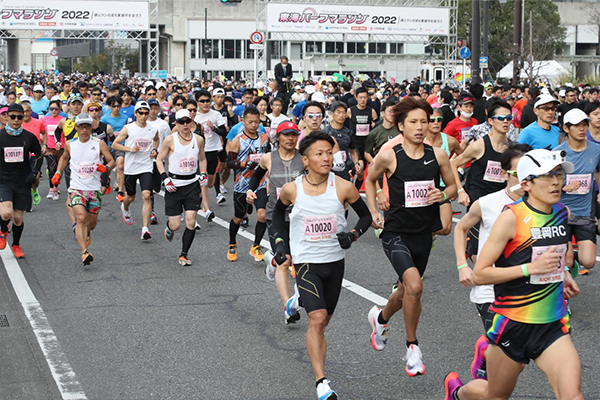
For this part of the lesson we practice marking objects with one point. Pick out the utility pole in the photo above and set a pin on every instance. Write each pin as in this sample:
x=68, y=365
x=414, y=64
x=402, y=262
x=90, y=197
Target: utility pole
x=476, y=43
x=486, y=20
x=517, y=41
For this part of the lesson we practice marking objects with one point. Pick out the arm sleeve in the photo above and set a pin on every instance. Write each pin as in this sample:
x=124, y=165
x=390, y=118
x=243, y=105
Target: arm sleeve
x=256, y=177
x=278, y=222
x=58, y=133
x=364, y=216
x=221, y=131
x=233, y=161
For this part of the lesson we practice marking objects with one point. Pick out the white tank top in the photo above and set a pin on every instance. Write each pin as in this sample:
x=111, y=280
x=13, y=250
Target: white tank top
x=212, y=140
x=184, y=160
x=491, y=208
x=314, y=222
x=84, y=157
x=140, y=162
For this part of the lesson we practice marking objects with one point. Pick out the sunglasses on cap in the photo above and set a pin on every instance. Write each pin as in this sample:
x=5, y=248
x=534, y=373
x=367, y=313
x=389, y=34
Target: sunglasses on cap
x=503, y=118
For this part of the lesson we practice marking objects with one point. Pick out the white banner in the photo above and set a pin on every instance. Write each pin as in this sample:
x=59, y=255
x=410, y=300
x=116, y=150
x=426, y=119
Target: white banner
x=74, y=15
x=323, y=18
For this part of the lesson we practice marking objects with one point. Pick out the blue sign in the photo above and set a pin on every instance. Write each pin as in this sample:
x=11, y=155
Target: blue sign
x=464, y=53
x=162, y=74
x=153, y=74
x=483, y=62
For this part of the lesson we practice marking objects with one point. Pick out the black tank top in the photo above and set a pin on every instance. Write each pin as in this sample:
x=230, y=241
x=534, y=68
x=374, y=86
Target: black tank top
x=484, y=175
x=409, y=213
x=360, y=125
x=101, y=132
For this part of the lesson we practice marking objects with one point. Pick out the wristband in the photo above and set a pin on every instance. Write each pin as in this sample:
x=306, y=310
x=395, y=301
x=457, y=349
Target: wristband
x=524, y=269
x=465, y=265
x=461, y=190
x=445, y=196
x=379, y=191
x=279, y=240
x=59, y=173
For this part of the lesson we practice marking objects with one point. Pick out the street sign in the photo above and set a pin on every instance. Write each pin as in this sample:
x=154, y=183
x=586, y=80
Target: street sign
x=54, y=52
x=162, y=74
x=257, y=46
x=256, y=37
x=483, y=62
x=464, y=53
x=153, y=74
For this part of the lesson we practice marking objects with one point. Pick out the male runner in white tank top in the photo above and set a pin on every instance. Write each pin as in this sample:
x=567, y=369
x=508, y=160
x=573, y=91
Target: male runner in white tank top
x=185, y=152
x=141, y=146
x=84, y=154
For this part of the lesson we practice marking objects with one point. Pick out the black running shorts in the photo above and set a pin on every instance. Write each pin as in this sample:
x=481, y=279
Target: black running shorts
x=240, y=206
x=212, y=161
x=523, y=342
x=19, y=195
x=407, y=251
x=320, y=285
x=145, y=182
x=583, y=232
x=186, y=198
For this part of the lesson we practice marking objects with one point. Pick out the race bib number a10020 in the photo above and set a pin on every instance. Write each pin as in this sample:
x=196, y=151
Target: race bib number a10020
x=320, y=227
x=415, y=193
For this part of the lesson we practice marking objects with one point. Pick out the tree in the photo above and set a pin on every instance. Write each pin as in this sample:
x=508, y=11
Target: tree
x=548, y=35
x=114, y=59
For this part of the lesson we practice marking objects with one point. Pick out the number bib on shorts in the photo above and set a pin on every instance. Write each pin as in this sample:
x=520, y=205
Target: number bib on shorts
x=320, y=227
x=551, y=277
x=86, y=171
x=415, y=193
x=493, y=172
x=188, y=165
x=362, y=129
x=13, y=154
x=143, y=144
x=585, y=180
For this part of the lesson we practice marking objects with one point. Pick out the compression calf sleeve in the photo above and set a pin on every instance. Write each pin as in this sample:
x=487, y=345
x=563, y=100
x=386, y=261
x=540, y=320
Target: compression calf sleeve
x=17, y=231
x=4, y=225
x=187, y=239
x=233, y=230
x=217, y=185
x=259, y=232
x=278, y=221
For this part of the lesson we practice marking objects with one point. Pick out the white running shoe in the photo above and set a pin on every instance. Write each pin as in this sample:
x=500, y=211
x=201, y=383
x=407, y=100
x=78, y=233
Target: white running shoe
x=325, y=392
x=221, y=199
x=56, y=195
x=292, y=307
x=223, y=189
x=379, y=333
x=126, y=215
x=414, y=364
x=270, y=268
x=50, y=194
x=146, y=235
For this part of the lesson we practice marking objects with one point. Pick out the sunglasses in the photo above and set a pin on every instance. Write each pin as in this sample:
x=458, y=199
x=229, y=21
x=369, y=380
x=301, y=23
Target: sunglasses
x=503, y=118
x=178, y=104
x=192, y=109
x=93, y=109
x=115, y=105
x=436, y=120
x=143, y=112
x=511, y=172
x=184, y=121
x=53, y=109
x=204, y=101
x=152, y=94
x=96, y=94
x=560, y=174
x=547, y=108
x=314, y=116
x=14, y=116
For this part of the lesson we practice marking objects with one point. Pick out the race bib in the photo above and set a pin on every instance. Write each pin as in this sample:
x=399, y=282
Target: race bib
x=254, y=157
x=362, y=129
x=493, y=172
x=188, y=165
x=208, y=133
x=278, y=193
x=13, y=154
x=86, y=171
x=551, y=277
x=585, y=181
x=463, y=133
x=320, y=227
x=344, y=156
x=143, y=144
x=415, y=193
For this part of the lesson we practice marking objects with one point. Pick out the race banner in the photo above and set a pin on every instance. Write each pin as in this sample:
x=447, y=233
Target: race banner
x=323, y=18
x=74, y=15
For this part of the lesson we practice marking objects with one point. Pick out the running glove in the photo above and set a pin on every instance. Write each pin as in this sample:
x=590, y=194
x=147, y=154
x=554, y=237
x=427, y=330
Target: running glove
x=56, y=179
x=101, y=168
x=203, y=179
x=169, y=185
x=280, y=256
x=346, y=238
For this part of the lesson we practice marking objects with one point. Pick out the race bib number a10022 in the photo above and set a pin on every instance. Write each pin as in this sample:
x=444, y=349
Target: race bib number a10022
x=320, y=227
x=415, y=193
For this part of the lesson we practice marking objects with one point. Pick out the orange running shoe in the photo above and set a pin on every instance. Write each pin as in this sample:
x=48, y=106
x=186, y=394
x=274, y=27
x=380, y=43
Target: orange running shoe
x=17, y=251
x=2, y=240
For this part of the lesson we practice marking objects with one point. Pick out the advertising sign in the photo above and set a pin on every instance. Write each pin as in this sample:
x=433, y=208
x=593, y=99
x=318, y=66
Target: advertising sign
x=74, y=15
x=323, y=18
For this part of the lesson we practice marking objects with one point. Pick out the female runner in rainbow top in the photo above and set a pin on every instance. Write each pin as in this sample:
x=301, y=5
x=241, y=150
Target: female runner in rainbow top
x=529, y=245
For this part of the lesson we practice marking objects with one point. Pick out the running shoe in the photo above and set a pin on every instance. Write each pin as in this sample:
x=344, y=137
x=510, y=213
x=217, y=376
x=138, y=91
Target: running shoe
x=232, y=252
x=478, y=366
x=325, y=392
x=414, y=364
x=120, y=196
x=146, y=235
x=88, y=239
x=451, y=384
x=197, y=226
x=168, y=234
x=221, y=199
x=209, y=215
x=126, y=215
x=379, y=333
x=184, y=260
x=50, y=195
x=56, y=195
x=87, y=258
x=270, y=268
x=223, y=189
x=378, y=232
x=35, y=196
x=2, y=240
x=16, y=249
x=74, y=226
x=256, y=252
x=292, y=308
x=582, y=270
x=244, y=223
x=153, y=219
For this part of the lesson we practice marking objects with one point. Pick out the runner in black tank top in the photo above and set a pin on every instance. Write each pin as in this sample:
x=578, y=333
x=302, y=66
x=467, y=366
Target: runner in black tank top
x=360, y=119
x=484, y=176
x=413, y=171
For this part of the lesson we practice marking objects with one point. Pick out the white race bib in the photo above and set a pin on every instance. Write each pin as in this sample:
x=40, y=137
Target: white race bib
x=320, y=227
x=585, y=182
x=551, y=277
x=415, y=193
x=493, y=172
x=254, y=157
x=13, y=154
x=86, y=171
x=188, y=165
x=362, y=129
x=143, y=144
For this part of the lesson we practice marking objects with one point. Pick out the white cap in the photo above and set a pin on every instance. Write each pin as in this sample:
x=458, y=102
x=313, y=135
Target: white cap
x=310, y=89
x=141, y=104
x=259, y=85
x=55, y=97
x=318, y=97
x=218, y=91
x=183, y=113
x=297, y=87
x=562, y=93
x=539, y=162
x=575, y=116
x=545, y=90
x=544, y=99
x=83, y=118
x=161, y=85
x=38, y=88
x=148, y=83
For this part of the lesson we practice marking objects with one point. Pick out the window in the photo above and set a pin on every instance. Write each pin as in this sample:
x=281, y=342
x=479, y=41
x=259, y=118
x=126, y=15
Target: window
x=209, y=48
x=193, y=44
x=314, y=47
x=275, y=48
x=361, y=47
x=396, y=48
x=351, y=47
x=377, y=48
x=249, y=51
x=334, y=47
x=232, y=49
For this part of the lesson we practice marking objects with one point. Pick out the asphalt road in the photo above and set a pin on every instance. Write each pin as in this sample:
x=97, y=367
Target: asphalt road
x=137, y=325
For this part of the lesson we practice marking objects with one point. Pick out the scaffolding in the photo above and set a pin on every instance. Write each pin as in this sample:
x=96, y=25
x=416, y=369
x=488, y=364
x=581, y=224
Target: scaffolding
x=447, y=43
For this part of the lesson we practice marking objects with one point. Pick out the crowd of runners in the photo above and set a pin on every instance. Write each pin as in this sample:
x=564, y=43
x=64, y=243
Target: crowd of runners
x=523, y=160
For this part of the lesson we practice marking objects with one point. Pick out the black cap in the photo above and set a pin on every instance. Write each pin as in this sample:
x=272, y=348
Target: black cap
x=153, y=102
x=15, y=107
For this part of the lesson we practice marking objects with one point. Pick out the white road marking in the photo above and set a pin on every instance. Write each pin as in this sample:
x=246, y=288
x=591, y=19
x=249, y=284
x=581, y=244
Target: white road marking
x=63, y=374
